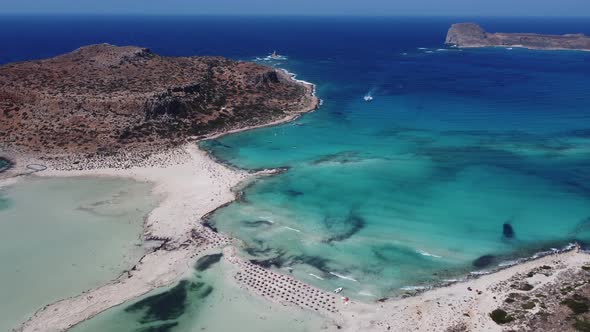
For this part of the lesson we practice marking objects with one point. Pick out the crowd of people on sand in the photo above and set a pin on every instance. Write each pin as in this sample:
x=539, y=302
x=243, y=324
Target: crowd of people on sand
x=120, y=160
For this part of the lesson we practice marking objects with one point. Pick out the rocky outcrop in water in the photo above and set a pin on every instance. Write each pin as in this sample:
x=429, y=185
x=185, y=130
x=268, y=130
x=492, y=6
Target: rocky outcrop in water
x=472, y=35
x=104, y=98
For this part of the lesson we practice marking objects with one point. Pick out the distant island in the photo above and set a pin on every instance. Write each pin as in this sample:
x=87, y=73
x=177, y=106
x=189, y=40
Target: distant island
x=101, y=99
x=472, y=35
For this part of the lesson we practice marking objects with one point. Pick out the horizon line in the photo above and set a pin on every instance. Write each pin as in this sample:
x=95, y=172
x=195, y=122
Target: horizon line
x=282, y=15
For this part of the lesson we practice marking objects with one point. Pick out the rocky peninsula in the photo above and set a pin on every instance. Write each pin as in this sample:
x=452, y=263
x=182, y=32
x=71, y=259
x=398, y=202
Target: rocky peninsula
x=103, y=99
x=465, y=35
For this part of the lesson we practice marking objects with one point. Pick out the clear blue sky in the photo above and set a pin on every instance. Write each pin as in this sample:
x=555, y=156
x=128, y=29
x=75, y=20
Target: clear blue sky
x=304, y=7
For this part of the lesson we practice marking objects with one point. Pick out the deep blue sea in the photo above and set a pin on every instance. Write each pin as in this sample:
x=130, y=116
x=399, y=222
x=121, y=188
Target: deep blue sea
x=463, y=161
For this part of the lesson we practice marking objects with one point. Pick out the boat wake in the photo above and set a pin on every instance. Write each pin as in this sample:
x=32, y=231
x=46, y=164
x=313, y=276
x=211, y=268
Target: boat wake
x=343, y=277
x=293, y=229
x=316, y=276
x=425, y=253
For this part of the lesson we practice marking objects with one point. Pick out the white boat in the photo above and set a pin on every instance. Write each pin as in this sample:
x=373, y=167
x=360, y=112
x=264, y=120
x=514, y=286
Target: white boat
x=368, y=97
x=338, y=290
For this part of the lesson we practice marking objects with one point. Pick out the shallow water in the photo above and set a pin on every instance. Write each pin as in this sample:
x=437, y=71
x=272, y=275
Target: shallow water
x=203, y=302
x=3, y=164
x=59, y=237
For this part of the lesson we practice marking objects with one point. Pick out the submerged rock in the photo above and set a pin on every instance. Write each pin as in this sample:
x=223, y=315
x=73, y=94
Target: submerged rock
x=277, y=262
x=484, y=261
x=294, y=193
x=507, y=230
x=206, y=262
x=344, y=229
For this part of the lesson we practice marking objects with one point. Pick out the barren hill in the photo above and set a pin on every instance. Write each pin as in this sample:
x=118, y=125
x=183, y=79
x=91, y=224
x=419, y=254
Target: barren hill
x=102, y=98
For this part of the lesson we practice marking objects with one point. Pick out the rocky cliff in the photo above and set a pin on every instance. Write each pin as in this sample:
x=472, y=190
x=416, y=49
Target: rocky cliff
x=103, y=98
x=472, y=35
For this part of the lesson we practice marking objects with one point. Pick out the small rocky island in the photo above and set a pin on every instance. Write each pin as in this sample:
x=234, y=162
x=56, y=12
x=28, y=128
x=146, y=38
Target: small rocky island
x=472, y=35
x=100, y=99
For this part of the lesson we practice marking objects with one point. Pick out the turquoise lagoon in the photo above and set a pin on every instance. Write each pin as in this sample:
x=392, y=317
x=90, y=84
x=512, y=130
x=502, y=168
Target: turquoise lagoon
x=465, y=160
x=59, y=237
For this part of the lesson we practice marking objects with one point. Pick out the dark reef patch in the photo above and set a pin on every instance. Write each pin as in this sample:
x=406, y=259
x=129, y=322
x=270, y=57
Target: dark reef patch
x=206, y=262
x=277, y=261
x=484, y=261
x=164, y=306
x=344, y=229
x=262, y=250
x=169, y=305
x=294, y=193
x=507, y=230
x=257, y=251
x=319, y=263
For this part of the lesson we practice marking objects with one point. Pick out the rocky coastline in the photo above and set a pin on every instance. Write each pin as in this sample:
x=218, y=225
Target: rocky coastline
x=103, y=100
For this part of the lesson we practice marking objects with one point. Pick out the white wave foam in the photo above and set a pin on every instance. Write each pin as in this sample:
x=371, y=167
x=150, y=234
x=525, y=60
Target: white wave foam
x=425, y=253
x=343, y=277
x=316, y=276
x=271, y=58
x=413, y=288
x=422, y=48
x=479, y=273
x=294, y=78
x=509, y=263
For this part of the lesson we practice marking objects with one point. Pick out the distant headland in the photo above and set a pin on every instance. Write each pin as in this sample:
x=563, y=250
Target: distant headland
x=466, y=35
